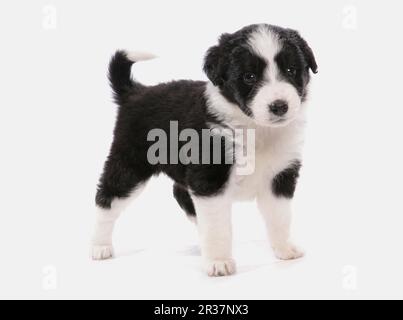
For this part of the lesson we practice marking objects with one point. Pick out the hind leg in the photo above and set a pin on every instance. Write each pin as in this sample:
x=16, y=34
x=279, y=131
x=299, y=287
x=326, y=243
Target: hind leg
x=184, y=200
x=118, y=186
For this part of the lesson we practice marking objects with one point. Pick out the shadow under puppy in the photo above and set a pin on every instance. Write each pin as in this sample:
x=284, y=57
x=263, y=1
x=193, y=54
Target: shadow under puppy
x=258, y=80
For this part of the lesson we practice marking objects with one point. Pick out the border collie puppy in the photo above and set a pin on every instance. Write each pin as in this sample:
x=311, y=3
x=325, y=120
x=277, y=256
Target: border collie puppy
x=258, y=79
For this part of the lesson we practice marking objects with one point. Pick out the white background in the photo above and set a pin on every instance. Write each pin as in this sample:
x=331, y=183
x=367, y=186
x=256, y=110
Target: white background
x=56, y=121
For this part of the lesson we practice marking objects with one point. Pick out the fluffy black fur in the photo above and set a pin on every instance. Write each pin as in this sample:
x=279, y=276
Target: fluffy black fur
x=184, y=200
x=284, y=184
x=227, y=63
x=142, y=108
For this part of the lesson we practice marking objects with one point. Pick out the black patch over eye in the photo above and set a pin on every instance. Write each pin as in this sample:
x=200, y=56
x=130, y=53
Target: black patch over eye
x=291, y=71
x=249, y=78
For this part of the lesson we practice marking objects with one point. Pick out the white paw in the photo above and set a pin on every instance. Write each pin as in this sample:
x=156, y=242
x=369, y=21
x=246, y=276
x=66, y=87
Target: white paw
x=219, y=268
x=101, y=252
x=288, y=252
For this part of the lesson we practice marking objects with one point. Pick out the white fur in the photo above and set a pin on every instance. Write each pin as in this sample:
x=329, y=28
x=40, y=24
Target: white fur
x=215, y=231
x=277, y=215
x=266, y=45
x=275, y=150
x=105, y=222
x=139, y=56
x=276, y=147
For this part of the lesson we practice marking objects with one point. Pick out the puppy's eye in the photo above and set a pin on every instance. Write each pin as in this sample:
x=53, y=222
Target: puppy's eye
x=291, y=71
x=249, y=78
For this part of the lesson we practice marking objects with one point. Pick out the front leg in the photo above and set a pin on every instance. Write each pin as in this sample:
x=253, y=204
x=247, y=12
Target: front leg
x=274, y=202
x=215, y=231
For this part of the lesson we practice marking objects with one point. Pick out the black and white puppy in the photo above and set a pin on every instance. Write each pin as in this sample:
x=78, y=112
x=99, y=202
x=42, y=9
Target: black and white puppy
x=259, y=77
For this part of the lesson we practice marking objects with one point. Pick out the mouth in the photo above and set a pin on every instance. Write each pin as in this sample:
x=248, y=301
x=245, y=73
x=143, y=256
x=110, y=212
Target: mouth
x=279, y=122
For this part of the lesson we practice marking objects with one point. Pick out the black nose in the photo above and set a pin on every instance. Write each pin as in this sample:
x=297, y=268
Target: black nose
x=279, y=107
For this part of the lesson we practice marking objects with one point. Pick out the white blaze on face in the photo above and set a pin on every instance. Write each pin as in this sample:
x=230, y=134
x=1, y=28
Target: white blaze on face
x=266, y=45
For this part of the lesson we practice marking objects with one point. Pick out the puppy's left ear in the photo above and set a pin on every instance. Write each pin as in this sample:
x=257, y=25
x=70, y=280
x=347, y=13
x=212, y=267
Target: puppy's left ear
x=305, y=48
x=215, y=62
x=212, y=65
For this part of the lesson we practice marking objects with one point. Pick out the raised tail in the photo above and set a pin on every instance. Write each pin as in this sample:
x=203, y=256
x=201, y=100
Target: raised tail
x=120, y=73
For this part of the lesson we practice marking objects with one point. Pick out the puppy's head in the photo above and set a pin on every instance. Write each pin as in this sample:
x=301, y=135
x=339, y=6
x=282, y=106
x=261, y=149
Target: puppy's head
x=264, y=70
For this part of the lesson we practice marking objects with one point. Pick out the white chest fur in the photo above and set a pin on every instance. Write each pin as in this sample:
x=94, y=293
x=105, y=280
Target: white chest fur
x=275, y=149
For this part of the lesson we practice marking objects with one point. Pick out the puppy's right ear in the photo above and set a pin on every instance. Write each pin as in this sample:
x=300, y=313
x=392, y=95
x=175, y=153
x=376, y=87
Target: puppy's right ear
x=294, y=36
x=215, y=63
